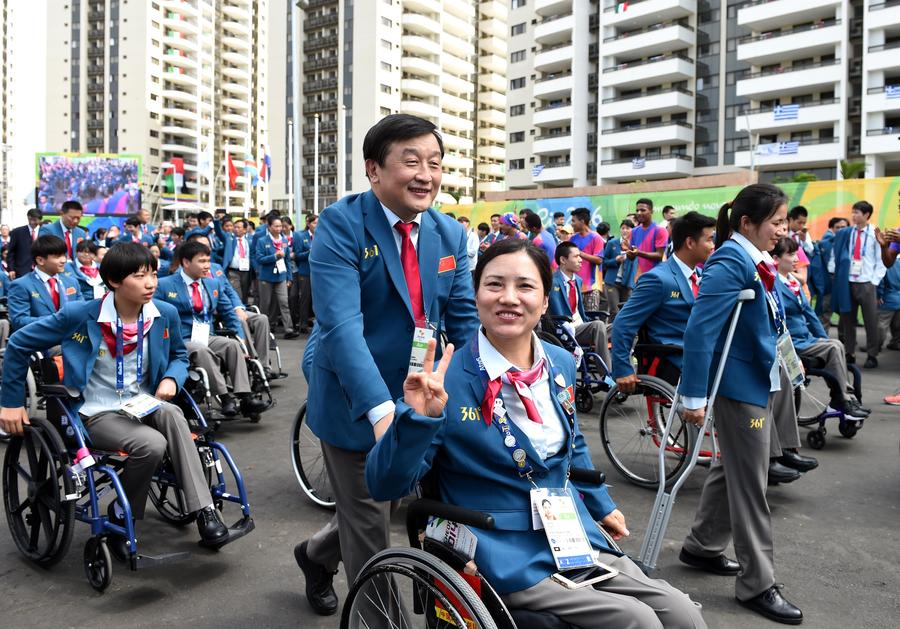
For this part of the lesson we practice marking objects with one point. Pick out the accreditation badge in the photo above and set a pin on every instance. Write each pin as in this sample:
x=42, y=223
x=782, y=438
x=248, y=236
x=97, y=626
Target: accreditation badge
x=421, y=336
x=565, y=534
x=140, y=405
x=200, y=333
x=793, y=366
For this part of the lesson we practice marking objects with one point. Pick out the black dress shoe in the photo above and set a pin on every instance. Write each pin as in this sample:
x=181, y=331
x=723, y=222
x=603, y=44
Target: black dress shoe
x=716, y=565
x=252, y=406
x=774, y=606
x=291, y=335
x=850, y=358
x=4, y=436
x=778, y=473
x=210, y=525
x=871, y=363
x=319, y=588
x=796, y=461
x=116, y=543
x=229, y=408
x=853, y=409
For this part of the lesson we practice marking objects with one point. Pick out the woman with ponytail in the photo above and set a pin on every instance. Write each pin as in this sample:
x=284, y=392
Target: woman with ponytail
x=733, y=502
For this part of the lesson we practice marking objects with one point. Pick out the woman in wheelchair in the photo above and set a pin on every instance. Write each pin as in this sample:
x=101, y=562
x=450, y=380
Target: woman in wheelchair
x=124, y=405
x=497, y=423
x=810, y=339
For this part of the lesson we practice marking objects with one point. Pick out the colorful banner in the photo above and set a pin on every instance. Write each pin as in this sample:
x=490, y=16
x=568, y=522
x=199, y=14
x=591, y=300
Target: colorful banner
x=823, y=199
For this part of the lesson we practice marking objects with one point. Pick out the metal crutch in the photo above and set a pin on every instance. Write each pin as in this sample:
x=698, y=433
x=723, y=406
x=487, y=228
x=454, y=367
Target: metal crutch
x=662, y=508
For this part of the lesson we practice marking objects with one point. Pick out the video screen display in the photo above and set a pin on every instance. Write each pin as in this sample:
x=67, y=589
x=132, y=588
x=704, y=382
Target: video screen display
x=103, y=184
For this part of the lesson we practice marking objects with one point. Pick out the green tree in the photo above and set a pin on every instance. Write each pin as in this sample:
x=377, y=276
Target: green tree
x=852, y=170
x=802, y=177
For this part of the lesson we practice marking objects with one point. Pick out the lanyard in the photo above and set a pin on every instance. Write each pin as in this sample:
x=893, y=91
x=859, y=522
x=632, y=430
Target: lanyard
x=203, y=313
x=120, y=353
x=500, y=418
x=776, y=308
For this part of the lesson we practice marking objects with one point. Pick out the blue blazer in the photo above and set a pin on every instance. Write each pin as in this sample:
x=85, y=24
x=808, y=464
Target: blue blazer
x=746, y=377
x=29, y=300
x=819, y=279
x=611, y=268
x=56, y=229
x=227, y=243
x=302, y=242
x=365, y=323
x=75, y=328
x=218, y=272
x=803, y=324
x=144, y=239
x=889, y=289
x=662, y=300
x=264, y=260
x=840, y=289
x=87, y=291
x=173, y=290
x=474, y=470
x=559, y=297
x=4, y=282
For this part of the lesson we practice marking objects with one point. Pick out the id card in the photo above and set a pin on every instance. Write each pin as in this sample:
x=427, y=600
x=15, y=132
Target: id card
x=856, y=267
x=200, y=333
x=243, y=264
x=280, y=266
x=419, y=347
x=565, y=534
x=140, y=405
x=792, y=363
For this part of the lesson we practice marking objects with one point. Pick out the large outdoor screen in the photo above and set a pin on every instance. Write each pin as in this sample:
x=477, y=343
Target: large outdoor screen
x=104, y=184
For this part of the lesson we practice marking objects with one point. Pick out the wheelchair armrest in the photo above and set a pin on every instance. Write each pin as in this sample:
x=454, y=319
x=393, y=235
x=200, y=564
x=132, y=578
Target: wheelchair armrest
x=419, y=510
x=587, y=476
x=597, y=315
x=657, y=349
x=232, y=334
x=810, y=362
x=562, y=318
x=60, y=391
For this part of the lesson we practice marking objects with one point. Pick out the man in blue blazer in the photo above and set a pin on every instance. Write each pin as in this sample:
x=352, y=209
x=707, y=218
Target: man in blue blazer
x=566, y=291
x=618, y=270
x=237, y=256
x=382, y=263
x=301, y=289
x=274, y=270
x=45, y=290
x=133, y=232
x=66, y=228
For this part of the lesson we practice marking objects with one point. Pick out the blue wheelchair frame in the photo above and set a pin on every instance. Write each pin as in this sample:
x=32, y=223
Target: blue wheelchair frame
x=848, y=426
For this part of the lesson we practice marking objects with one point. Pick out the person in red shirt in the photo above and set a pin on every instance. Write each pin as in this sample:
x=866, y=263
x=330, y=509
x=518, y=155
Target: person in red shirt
x=591, y=246
x=648, y=240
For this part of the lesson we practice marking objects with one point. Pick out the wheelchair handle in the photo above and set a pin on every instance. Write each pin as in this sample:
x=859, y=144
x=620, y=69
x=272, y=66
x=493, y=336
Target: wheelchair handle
x=587, y=476
x=419, y=510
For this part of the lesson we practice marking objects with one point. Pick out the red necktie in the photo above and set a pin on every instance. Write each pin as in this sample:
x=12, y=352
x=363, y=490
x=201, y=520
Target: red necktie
x=241, y=251
x=521, y=380
x=857, y=247
x=573, y=297
x=766, y=275
x=410, y=262
x=196, y=298
x=69, y=243
x=54, y=294
x=90, y=271
x=34, y=233
x=695, y=284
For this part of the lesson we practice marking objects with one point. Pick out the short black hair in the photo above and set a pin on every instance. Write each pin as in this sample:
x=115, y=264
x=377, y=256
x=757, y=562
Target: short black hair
x=644, y=201
x=864, y=206
x=525, y=212
x=133, y=220
x=484, y=227
x=34, y=213
x=603, y=229
x=796, y=212
x=533, y=221
x=204, y=216
x=563, y=250
x=626, y=222
x=834, y=220
x=46, y=246
x=71, y=204
x=495, y=216
x=197, y=235
x=515, y=245
x=463, y=219
x=582, y=214
x=394, y=128
x=559, y=215
x=311, y=218
x=287, y=220
x=86, y=245
x=783, y=246
x=691, y=225
x=190, y=250
x=451, y=215
x=271, y=217
x=178, y=231
x=666, y=208
x=244, y=222
x=123, y=259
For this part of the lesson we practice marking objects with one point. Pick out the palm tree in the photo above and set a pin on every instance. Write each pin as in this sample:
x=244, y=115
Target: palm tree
x=852, y=170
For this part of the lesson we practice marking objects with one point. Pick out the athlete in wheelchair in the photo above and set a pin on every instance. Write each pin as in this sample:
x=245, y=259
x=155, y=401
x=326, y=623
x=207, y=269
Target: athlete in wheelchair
x=119, y=420
x=498, y=426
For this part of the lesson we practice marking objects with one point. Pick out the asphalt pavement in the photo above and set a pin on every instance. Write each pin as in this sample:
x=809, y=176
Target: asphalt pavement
x=835, y=545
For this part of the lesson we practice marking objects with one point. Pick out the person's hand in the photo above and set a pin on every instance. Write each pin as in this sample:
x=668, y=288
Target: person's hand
x=627, y=384
x=12, y=420
x=166, y=389
x=620, y=258
x=288, y=285
x=12, y=275
x=880, y=237
x=241, y=314
x=424, y=391
x=631, y=253
x=279, y=254
x=695, y=416
x=614, y=523
x=892, y=235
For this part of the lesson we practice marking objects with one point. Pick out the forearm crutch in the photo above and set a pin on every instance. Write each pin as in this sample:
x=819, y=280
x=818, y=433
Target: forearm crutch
x=665, y=500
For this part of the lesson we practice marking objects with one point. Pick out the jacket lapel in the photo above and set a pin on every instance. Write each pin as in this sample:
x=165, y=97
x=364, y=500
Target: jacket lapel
x=427, y=250
x=683, y=285
x=376, y=224
x=95, y=334
x=41, y=290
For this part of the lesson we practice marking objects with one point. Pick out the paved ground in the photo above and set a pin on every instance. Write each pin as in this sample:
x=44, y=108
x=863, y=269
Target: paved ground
x=836, y=542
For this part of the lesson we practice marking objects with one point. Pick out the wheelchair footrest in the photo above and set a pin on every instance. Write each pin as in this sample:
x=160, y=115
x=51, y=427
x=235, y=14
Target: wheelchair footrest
x=142, y=562
x=235, y=531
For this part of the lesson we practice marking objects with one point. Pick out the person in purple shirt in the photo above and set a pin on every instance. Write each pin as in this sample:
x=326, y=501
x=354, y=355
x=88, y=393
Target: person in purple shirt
x=591, y=245
x=541, y=237
x=648, y=240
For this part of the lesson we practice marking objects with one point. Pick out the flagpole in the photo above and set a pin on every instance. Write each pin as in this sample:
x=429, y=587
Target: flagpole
x=246, y=190
x=290, y=173
x=316, y=169
x=211, y=177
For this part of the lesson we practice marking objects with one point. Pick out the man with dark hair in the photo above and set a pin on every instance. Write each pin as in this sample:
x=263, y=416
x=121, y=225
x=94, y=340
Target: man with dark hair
x=539, y=236
x=386, y=269
x=648, y=240
x=559, y=219
x=87, y=271
x=797, y=231
x=668, y=213
x=67, y=229
x=472, y=242
x=858, y=271
x=274, y=270
x=618, y=271
x=239, y=262
x=18, y=258
x=134, y=233
x=45, y=290
x=590, y=244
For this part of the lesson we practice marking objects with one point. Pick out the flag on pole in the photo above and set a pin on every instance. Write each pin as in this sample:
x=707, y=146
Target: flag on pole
x=638, y=162
x=250, y=170
x=621, y=7
x=232, y=172
x=204, y=162
x=265, y=166
x=786, y=112
x=537, y=169
x=175, y=175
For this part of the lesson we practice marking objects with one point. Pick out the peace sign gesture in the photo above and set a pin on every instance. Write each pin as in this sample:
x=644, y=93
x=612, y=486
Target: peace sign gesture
x=424, y=391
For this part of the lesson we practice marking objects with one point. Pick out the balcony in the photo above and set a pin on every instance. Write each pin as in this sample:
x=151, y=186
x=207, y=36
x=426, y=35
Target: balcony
x=766, y=119
x=451, y=121
x=669, y=165
x=418, y=65
x=495, y=117
x=552, y=7
x=881, y=141
x=885, y=13
x=556, y=172
x=454, y=65
x=493, y=63
x=491, y=170
x=820, y=38
x=554, y=86
x=493, y=45
x=654, y=40
x=492, y=80
x=554, y=58
x=456, y=104
x=883, y=57
x=669, y=68
x=492, y=134
x=495, y=8
x=554, y=29
x=453, y=83
x=456, y=46
x=661, y=102
x=556, y=143
x=418, y=23
x=420, y=108
x=552, y=115
x=789, y=81
x=763, y=15
x=646, y=12
x=318, y=43
x=492, y=99
x=878, y=99
x=809, y=153
x=418, y=87
x=491, y=151
x=653, y=134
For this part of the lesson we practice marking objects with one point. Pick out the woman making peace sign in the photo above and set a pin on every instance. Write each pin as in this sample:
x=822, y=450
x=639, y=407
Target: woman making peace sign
x=496, y=418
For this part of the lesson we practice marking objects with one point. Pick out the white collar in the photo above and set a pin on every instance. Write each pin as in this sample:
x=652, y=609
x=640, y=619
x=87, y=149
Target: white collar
x=494, y=362
x=187, y=278
x=269, y=234
x=685, y=269
x=755, y=254
x=566, y=277
x=43, y=276
x=108, y=312
x=393, y=219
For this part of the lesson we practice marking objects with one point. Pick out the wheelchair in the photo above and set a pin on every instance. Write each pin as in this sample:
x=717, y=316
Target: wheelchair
x=813, y=403
x=593, y=375
x=309, y=463
x=275, y=366
x=51, y=478
x=444, y=586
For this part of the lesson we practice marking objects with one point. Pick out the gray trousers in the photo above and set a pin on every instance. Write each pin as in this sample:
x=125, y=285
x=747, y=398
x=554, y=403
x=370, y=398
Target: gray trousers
x=832, y=352
x=304, y=288
x=616, y=295
x=630, y=600
x=240, y=281
x=256, y=328
x=733, y=501
x=4, y=332
x=146, y=441
x=593, y=333
x=862, y=295
x=785, y=433
x=889, y=328
x=222, y=352
x=272, y=295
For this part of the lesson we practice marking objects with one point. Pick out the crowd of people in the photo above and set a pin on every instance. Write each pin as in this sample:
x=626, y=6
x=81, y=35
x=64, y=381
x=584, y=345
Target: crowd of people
x=389, y=278
x=97, y=182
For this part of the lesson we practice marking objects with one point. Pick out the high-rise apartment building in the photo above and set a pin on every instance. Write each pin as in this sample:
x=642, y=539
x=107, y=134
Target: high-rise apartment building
x=164, y=79
x=443, y=60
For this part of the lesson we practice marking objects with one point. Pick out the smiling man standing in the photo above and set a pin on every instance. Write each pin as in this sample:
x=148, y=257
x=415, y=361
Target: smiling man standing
x=386, y=269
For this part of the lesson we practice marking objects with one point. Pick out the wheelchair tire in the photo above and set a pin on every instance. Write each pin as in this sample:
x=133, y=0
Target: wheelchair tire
x=631, y=426
x=36, y=481
x=848, y=428
x=427, y=582
x=584, y=400
x=97, y=563
x=167, y=498
x=811, y=401
x=309, y=463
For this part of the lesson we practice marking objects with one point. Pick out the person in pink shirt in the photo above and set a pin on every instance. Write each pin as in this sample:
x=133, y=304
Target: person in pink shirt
x=591, y=246
x=648, y=240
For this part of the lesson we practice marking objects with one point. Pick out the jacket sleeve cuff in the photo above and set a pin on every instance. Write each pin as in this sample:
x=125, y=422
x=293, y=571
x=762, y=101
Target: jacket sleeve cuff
x=375, y=415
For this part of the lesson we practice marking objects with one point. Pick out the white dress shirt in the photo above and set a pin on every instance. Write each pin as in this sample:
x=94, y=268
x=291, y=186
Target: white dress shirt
x=236, y=258
x=189, y=281
x=873, y=269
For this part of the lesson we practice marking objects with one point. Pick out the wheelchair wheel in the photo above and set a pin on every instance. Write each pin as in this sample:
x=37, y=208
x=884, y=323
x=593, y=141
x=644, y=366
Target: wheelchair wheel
x=631, y=428
x=811, y=401
x=35, y=483
x=412, y=582
x=309, y=464
x=31, y=394
x=584, y=400
x=97, y=563
x=167, y=498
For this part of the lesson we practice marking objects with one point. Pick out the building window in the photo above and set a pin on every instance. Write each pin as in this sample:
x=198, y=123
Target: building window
x=385, y=21
x=517, y=136
x=386, y=44
x=518, y=83
x=386, y=89
x=384, y=66
x=517, y=29
x=517, y=56
x=517, y=164
x=517, y=110
x=517, y=4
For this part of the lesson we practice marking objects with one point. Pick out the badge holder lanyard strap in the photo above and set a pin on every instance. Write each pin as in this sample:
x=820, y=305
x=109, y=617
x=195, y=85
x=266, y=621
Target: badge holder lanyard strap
x=205, y=312
x=120, y=354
